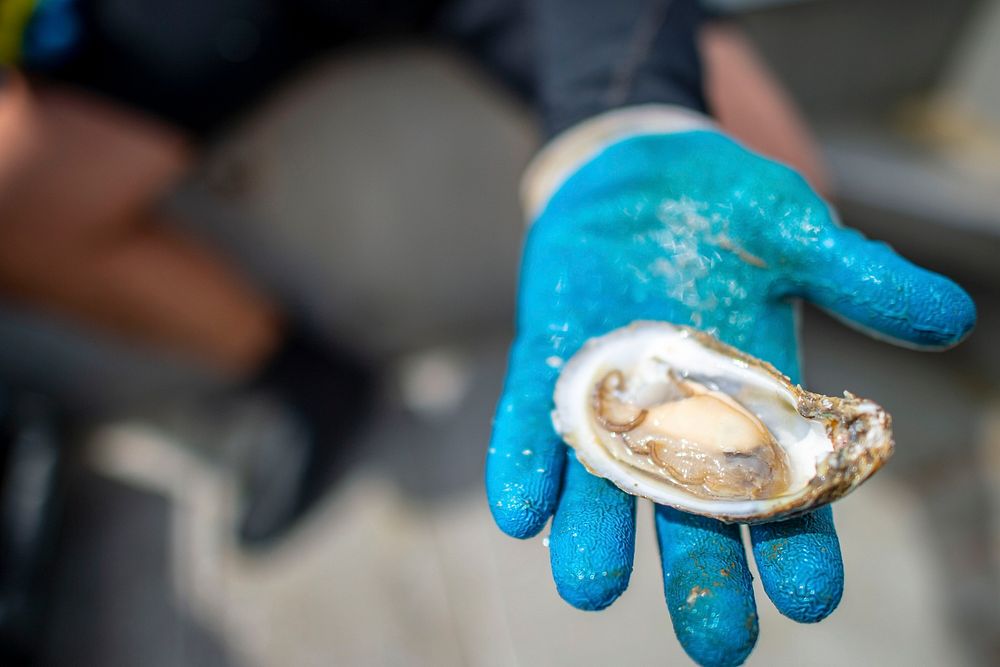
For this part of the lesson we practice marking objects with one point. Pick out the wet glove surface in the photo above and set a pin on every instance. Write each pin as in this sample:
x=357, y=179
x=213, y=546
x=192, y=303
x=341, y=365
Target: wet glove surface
x=692, y=229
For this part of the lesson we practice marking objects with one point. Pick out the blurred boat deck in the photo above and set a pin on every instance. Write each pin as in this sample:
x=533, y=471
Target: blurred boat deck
x=401, y=565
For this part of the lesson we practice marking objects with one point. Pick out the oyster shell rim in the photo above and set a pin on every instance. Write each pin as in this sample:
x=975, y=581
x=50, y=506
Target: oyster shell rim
x=860, y=432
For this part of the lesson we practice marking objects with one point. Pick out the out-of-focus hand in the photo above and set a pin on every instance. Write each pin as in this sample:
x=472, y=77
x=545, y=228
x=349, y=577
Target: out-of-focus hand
x=651, y=218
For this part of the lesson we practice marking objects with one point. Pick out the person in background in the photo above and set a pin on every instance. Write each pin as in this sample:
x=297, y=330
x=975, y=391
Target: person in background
x=105, y=105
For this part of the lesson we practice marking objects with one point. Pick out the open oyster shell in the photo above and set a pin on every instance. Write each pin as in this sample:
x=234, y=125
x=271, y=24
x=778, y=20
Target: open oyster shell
x=671, y=414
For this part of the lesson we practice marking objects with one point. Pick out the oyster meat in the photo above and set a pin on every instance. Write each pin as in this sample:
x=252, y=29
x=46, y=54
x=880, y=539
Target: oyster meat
x=671, y=414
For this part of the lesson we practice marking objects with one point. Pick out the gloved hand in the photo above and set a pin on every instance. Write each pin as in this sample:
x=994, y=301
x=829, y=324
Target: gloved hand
x=650, y=213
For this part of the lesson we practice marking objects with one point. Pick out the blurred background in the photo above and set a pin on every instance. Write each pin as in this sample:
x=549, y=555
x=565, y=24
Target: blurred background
x=377, y=192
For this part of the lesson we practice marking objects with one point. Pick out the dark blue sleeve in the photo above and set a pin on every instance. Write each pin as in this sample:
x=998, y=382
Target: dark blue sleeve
x=577, y=58
x=597, y=55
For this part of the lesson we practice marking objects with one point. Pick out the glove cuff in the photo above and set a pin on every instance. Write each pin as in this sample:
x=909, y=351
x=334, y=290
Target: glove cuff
x=570, y=150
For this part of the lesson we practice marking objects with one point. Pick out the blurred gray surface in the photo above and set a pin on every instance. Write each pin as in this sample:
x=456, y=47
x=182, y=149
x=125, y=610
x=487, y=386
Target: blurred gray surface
x=115, y=604
x=857, y=59
x=878, y=79
x=407, y=217
x=399, y=229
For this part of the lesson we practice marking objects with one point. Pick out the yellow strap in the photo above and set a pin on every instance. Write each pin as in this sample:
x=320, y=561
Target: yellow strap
x=14, y=17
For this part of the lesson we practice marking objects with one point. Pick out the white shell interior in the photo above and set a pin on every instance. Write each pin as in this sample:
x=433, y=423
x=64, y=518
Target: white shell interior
x=644, y=352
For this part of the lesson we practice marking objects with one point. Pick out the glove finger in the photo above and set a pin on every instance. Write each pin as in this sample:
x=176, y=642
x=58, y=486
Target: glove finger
x=800, y=565
x=593, y=539
x=869, y=285
x=525, y=460
x=708, y=588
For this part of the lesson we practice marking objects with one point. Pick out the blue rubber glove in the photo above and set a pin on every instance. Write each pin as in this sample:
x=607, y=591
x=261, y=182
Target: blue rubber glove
x=690, y=228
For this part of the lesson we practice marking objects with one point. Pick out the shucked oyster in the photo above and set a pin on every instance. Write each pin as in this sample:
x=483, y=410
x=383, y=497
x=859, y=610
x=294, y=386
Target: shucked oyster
x=671, y=414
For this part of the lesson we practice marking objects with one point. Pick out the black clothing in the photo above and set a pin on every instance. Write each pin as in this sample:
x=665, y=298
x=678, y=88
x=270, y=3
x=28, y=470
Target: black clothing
x=196, y=63
x=329, y=393
x=597, y=55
